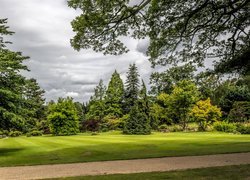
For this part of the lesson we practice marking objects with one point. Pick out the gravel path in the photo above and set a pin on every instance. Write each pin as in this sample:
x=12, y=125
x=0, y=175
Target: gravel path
x=123, y=166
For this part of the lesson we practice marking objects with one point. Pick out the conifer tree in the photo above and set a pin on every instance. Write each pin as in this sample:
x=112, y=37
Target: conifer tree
x=114, y=96
x=96, y=104
x=131, y=88
x=137, y=123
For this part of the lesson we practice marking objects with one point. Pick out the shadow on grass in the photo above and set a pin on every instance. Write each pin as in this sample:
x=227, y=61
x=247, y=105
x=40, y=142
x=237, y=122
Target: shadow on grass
x=9, y=151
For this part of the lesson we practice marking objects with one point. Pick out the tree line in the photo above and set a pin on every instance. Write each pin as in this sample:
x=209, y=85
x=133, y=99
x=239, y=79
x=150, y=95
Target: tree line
x=177, y=97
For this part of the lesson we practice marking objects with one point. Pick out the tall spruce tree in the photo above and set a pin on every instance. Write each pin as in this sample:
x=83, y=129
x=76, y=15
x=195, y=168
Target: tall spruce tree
x=114, y=96
x=131, y=88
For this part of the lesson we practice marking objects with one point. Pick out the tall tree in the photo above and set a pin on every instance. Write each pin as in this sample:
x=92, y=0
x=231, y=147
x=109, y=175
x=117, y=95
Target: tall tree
x=114, y=96
x=11, y=83
x=163, y=82
x=33, y=95
x=179, y=31
x=131, y=87
x=182, y=99
x=96, y=104
x=144, y=99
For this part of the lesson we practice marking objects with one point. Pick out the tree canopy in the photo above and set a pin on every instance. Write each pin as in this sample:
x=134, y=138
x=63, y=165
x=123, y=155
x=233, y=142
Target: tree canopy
x=179, y=30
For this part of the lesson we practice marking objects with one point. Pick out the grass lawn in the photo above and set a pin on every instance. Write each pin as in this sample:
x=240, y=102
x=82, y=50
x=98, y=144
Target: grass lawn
x=114, y=146
x=227, y=172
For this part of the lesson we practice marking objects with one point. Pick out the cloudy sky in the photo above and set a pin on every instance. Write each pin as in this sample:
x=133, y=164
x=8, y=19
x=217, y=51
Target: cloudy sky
x=43, y=31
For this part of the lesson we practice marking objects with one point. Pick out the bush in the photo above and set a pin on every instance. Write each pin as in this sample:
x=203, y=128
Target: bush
x=63, y=118
x=204, y=113
x=91, y=125
x=243, y=128
x=225, y=127
x=240, y=112
x=34, y=133
x=15, y=133
x=163, y=128
x=175, y=128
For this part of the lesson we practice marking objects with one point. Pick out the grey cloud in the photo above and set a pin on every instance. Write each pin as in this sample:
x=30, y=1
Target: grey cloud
x=43, y=32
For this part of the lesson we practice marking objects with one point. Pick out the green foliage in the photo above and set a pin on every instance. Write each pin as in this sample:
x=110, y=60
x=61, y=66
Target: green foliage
x=137, y=123
x=240, y=112
x=21, y=98
x=225, y=127
x=114, y=96
x=131, y=88
x=97, y=103
x=15, y=133
x=243, y=128
x=181, y=101
x=234, y=93
x=159, y=111
x=34, y=133
x=163, y=128
x=179, y=31
x=63, y=118
x=204, y=113
x=164, y=82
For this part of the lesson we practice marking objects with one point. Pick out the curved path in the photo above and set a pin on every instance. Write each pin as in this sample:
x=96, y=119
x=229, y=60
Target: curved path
x=122, y=166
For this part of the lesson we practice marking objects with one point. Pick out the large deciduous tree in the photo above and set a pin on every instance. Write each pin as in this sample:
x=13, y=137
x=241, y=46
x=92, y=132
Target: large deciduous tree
x=179, y=30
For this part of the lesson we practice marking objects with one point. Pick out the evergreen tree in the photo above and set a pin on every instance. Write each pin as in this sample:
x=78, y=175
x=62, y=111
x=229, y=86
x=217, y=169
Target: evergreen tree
x=144, y=99
x=12, y=103
x=96, y=103
x=33, y=95
x=114, y=96
x=137, y=123
x=131, y=88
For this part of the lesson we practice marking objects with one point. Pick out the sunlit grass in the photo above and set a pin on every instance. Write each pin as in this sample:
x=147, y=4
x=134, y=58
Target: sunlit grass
x=114, y=145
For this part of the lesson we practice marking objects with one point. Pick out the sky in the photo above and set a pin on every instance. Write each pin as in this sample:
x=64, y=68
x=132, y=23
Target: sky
x=43, y=32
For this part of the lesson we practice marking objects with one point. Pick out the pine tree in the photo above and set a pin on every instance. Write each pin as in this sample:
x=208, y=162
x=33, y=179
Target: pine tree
x=114, y=96
x=131, y=88
x=137, y=123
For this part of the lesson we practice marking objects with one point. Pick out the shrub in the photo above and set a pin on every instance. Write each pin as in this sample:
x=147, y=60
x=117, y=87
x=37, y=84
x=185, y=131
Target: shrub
x=192, y=127
x=15, y=133
x=91, y=125
x=175, y=128
x=63, y=117
x=240, y=112
x=163, y=128
x=243, y=128
x=34, y=133
x=94, y=134
x=204, y=113
x=225, y=127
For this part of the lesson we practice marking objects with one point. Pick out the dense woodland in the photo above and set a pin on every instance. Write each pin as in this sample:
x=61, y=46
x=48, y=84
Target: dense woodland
x=182, y=98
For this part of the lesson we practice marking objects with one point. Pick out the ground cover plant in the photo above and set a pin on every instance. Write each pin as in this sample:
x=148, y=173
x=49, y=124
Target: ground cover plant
x=115, y=145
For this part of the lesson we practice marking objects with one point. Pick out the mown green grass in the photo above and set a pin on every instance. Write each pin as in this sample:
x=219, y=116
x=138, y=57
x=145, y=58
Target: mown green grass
x=114, y=146
x=219, y=173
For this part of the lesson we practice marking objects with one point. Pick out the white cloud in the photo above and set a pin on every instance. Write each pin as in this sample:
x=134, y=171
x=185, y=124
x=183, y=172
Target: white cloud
x=43, y=32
